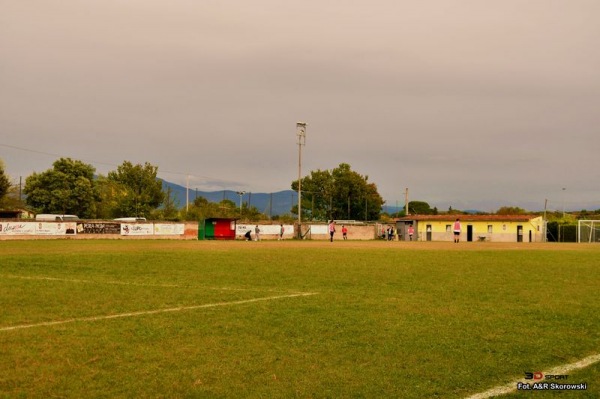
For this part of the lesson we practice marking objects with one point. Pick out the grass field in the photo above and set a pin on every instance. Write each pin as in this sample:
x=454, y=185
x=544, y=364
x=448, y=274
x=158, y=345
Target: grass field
x=158, y=319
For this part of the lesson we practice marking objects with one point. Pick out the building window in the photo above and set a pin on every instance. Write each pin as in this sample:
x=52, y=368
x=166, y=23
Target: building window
x=490, y=229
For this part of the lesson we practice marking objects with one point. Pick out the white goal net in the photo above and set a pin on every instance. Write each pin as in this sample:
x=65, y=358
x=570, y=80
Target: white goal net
x=588, y=231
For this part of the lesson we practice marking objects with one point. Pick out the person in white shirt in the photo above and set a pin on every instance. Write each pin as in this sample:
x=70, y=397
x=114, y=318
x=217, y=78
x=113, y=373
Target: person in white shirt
x=331, y=230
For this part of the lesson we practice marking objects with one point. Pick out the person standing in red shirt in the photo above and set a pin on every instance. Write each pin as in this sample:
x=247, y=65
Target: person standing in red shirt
x=456, y=230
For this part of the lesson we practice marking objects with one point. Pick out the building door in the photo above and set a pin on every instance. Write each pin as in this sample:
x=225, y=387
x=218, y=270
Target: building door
x=519, y=233
x=201, y=229
x=209, y=229
x=428, y=231
x=470, y=232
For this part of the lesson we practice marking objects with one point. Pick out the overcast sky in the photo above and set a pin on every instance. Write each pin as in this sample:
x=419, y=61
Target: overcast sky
x=473, y=104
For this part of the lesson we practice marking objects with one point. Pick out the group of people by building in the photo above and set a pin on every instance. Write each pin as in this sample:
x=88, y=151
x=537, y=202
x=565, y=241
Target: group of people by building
x=388, y=233
x=248, y=235
x=257, y=232
x=331, y=229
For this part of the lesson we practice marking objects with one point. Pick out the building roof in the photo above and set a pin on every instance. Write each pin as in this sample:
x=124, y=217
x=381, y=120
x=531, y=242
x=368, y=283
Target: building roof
x=13, y=213
x=468, y=218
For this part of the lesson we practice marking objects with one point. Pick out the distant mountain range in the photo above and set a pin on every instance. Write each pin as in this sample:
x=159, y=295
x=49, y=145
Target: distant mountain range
x=279, y=203
x=270, y=204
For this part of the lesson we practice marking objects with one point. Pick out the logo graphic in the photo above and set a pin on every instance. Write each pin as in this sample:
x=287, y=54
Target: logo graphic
x=538, y=375
x=534, y=376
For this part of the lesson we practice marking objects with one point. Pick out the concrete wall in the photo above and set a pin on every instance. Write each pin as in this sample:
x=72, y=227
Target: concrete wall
x=355, y=231
x=501, y=231
x=15, y=229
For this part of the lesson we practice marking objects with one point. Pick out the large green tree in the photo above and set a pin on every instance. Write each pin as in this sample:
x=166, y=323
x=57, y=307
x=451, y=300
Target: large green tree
x=108, y=194
x=510, y=210
x=4, y=181
x=138, y=191
x=340, y=193
x=169, y=209
x=201, y=209
x=67, y=188
x=420, y=208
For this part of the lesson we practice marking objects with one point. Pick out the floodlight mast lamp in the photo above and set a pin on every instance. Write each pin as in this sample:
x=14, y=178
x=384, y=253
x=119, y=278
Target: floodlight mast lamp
x=301, y=136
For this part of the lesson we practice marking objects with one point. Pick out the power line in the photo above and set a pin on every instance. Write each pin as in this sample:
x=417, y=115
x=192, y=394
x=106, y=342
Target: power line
x=112, y=164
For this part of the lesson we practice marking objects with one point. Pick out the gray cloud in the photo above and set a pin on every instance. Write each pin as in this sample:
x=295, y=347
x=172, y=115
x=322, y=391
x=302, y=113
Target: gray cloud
x=468, y=103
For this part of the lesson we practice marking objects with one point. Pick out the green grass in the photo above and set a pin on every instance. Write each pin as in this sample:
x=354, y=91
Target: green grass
x=387, y=321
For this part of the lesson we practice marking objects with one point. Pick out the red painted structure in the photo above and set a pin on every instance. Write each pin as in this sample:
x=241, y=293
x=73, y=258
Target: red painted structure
x=217, y=229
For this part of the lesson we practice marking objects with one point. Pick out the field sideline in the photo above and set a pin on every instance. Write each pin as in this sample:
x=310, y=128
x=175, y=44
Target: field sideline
x=110, y=319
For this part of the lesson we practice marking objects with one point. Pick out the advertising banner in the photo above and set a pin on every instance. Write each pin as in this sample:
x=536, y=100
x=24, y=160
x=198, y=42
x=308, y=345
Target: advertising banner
x=137, y=229
x=169, y=229
x=270, y=229
x=55, y=229
x=98, y=228
x=319, y=229
x=17, y=228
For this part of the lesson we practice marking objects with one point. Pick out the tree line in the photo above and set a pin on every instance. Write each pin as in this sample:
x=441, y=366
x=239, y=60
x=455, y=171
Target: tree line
x=73, y=187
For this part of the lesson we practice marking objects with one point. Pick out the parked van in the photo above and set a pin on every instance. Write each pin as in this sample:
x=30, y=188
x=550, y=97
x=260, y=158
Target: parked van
x=130, y=219
x=49, y=217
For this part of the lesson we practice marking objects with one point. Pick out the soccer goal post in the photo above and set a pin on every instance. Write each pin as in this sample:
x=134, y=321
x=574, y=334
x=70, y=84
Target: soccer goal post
x=588, y=231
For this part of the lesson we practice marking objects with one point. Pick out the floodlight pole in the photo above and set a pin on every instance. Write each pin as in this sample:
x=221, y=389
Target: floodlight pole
x=563, y=201
x=241, y=193
x=301, y=136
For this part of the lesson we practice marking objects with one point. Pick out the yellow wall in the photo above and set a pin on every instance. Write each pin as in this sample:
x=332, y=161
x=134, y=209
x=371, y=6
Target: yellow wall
x=501, y=231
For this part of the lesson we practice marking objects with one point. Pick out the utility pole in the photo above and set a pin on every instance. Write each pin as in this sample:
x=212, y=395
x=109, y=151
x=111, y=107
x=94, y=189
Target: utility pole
x=301, y=136
x=563, y=201
x=187, y=193
x=348, y=207
x=545, y=237
x=406, y=213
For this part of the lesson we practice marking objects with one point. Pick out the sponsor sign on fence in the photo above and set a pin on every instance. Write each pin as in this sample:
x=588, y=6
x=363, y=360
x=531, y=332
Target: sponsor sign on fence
x=87, y=228
x=55, y=229
x=98, y=228
x=137, y=229
x=17, y=228
x=267, y=229
x=320, y=229
x=169, y=229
